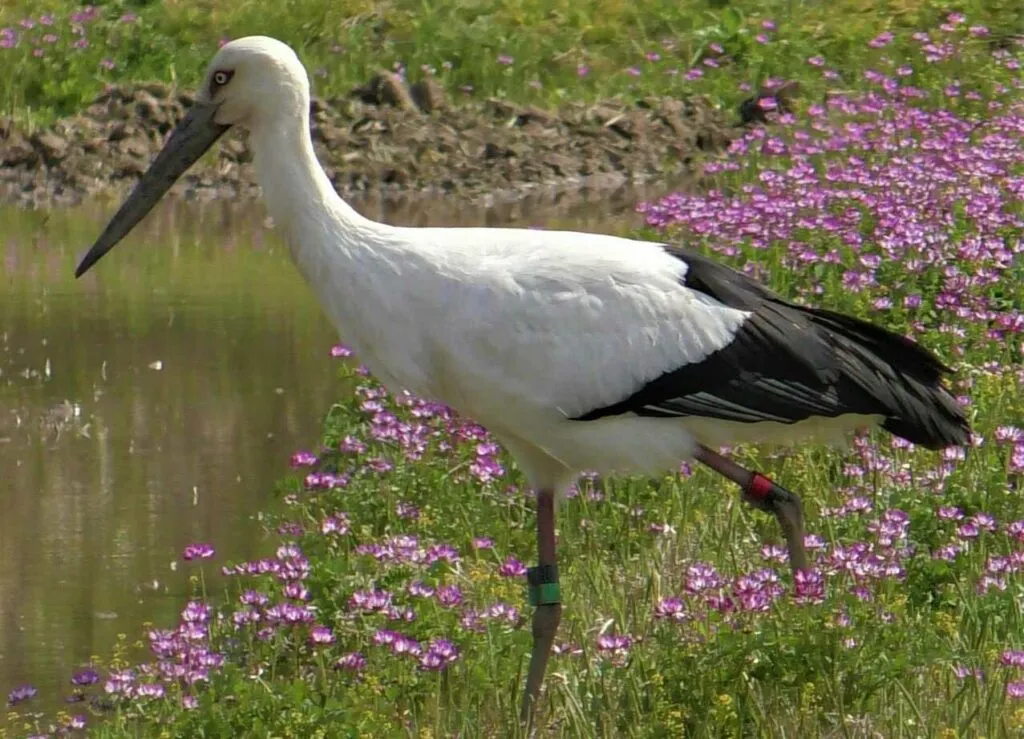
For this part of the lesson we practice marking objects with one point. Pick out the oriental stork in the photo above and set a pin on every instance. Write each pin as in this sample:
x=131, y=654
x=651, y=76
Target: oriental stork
x=578, y=351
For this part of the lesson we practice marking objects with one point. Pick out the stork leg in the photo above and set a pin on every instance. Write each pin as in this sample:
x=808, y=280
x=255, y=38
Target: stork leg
x=546, y=596
x=765, y=495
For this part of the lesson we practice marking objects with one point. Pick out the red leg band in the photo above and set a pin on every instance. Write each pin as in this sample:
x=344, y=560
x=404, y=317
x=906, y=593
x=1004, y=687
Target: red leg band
x=760, y=486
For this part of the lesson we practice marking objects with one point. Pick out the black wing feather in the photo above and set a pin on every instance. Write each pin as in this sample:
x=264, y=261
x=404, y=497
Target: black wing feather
x=788, y=363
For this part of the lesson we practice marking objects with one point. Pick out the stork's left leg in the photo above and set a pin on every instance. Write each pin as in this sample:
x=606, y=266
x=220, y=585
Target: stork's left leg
x=546, y=596
x=768, y=496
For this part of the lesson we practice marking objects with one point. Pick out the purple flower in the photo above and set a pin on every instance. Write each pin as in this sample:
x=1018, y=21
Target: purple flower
x=950, y=513
x=20, y=694
x=196, y=612
x=810, y=587
x=295, y=591
x=120, y=683
x=85, y=676
x=614, y=643
x=304, y=459
x=439, y=553
x=336, y=524
x=76, y=721
x=486, y=468
x=321, y=636
x=399, y=643
x=351, y=662
x=512, y=567
x=244, y=617
x=420, y=589
x=1012, y=658
x=253, y=598
x=506, y=60
x=439, y=654
x=671, y=609
x=701, y=577
x=431, y=661
x=495, y=612
x=150, y=690
x=341, y=351
x=1015, y=690
x=449, y=596
x=369, y=600
x=352, y=445
x=963, y=671
x=290, y=614
x=571, y=650
x=883, y=39
x=984, y=521
x=197, y=551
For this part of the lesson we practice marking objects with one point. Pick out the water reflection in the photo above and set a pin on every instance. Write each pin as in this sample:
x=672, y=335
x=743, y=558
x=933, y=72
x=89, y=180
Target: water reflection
x=140, y=410
x=154, y=403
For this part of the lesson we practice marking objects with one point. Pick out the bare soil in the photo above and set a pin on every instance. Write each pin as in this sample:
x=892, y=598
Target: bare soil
x=384, y=139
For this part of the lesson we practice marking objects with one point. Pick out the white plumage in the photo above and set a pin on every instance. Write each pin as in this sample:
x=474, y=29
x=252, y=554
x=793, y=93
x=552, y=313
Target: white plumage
x=576, y=350
x=520, y=330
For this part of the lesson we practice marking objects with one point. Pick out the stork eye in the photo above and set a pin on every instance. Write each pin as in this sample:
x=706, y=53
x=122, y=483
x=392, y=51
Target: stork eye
x=220, y=78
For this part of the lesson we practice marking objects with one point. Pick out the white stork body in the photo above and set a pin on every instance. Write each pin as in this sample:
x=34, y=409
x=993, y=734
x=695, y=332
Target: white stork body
x=521, y=330
x=577, y=351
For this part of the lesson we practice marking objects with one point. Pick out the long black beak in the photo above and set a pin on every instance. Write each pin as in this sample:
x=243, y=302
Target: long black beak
x=188, y=141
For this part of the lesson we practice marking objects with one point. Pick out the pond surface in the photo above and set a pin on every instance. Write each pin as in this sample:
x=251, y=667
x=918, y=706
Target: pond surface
x=154, y=403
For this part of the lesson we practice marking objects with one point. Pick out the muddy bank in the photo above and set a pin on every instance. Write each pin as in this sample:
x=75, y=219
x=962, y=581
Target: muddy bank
x=385, y=138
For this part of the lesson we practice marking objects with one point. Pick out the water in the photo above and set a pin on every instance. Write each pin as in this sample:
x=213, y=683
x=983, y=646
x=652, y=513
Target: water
x=154, y=403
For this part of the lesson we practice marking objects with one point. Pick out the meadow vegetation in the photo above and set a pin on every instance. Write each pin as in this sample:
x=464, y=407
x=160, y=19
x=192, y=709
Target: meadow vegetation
x=393, y=603
x=58, y=55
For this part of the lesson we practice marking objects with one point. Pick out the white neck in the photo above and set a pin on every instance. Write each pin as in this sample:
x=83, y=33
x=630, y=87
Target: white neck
x=358, y=268
x=295, y=187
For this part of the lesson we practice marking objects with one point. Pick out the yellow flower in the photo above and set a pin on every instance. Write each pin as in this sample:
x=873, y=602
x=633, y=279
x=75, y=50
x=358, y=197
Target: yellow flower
x=945, y=623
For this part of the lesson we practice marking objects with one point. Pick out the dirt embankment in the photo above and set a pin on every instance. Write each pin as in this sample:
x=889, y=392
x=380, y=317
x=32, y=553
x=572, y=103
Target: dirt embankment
x=386, y=137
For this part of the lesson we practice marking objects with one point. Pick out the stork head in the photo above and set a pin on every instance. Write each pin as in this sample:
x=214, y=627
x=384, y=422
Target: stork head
x=251, y=82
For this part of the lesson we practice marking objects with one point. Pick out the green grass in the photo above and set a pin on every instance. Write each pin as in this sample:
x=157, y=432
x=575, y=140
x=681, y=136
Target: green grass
x=788, y=672
x=344, y=41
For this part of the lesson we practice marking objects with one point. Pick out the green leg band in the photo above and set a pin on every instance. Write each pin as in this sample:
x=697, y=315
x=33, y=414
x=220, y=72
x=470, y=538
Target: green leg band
x=542, y=585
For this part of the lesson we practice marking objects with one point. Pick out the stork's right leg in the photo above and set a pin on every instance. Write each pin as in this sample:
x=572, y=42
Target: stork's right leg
x=768, y=496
